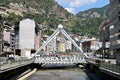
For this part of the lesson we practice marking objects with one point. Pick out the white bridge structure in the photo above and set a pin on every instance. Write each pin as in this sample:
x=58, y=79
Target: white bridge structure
x=39, y=56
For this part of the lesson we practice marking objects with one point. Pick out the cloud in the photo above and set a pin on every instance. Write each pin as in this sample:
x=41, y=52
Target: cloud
x=71, y=10
x=79, y=3
x=76, y=3
x=63, y=1
x=72, y=5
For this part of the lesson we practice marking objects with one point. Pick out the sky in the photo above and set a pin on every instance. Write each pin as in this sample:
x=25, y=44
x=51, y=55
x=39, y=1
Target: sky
x=74, y=6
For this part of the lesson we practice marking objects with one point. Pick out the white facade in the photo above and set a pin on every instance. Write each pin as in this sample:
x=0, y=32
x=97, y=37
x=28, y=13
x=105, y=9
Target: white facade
x=68, y=45
x=26, y=34
x=8, y=40
x=95, y=45
x=61, y=47
x=51, y=46
x=6, y=36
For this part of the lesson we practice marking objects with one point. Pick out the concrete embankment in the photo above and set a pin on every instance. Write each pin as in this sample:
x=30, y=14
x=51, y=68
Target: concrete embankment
x=28, y=74
x=95, y=74
x=92, y=75
x=13, y=74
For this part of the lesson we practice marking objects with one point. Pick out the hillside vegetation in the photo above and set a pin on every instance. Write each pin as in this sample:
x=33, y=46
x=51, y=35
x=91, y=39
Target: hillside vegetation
x=50, y=14
x=90, y=20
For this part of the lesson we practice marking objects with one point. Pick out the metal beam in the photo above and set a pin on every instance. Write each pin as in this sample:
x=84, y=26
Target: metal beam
x=60, y=30
x=74, y=43
x=48, y=40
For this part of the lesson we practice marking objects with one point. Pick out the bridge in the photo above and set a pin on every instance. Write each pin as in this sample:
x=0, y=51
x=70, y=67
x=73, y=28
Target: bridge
x=60, y=54
x=43, y=55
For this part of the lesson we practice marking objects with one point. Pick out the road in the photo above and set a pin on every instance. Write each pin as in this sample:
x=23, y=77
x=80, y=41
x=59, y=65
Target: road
x=59, y=72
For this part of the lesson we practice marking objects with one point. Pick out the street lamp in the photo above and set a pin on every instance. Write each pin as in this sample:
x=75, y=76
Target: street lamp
x=60, y=26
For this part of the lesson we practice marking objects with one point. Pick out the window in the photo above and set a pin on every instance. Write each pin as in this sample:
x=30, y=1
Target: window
x=119, y=34
x=119, y=15
x=111, y=27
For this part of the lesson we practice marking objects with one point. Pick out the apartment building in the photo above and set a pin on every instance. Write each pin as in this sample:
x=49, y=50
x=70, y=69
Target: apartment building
x=1, y=40
x=86, y=46
x=92, y=44
x=77, y=40
x=1, y=35
x=12, y=41
x=104, y=33
x=105, y=39
x=8, y=41
x=115, y=28
x=27, y=37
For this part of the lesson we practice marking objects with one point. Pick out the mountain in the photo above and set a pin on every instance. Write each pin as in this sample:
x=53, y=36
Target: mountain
x=50, y=14
x=45, y=12
x=95, y=12
x=90, y=20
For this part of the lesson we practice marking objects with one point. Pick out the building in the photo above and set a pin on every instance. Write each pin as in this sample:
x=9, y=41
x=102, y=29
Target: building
x=86, y=46
x=105, y=39
x=104, y=33
x=77, y=40
x=115, y=28
x=51, y=46
x=68, y=46
x=1, y=36
x=61, y=47
x=27, y=37
x=12, y=42
x=90, y=45
x=95, y=45
x=1, y=41
x=75, y=49
x=8, y=42
x=6, y=39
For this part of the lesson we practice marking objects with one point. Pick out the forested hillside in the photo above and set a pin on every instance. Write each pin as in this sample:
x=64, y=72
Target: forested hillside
x=49, y=13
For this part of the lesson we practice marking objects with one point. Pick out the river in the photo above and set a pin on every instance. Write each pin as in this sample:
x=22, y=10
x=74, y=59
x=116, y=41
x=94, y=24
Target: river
x=59, y=72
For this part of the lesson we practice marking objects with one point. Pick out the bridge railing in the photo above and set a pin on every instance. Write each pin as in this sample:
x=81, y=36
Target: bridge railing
x=14, y=64
x=105, y=64
x=59, y=60
x=111, y=67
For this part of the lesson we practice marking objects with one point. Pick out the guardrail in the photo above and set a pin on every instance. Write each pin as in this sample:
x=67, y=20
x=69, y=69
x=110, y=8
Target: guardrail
x=105, y=64
x=110, y=67
x=7, y=65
